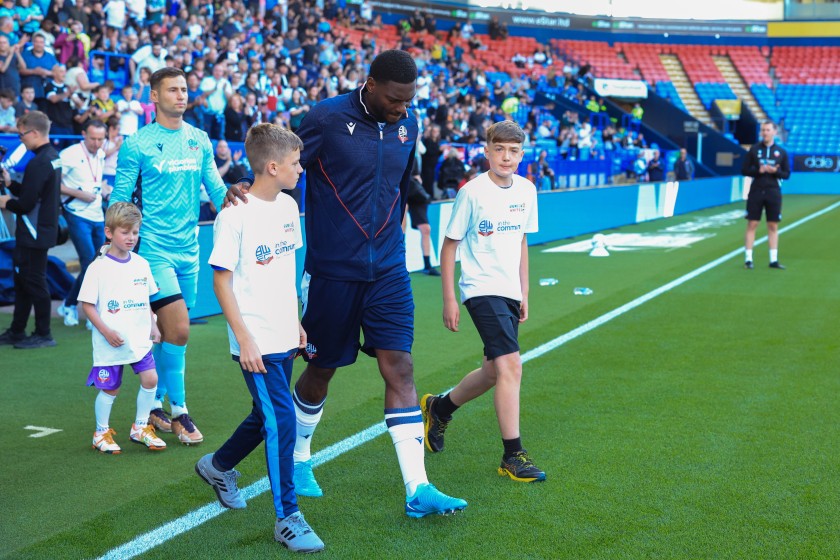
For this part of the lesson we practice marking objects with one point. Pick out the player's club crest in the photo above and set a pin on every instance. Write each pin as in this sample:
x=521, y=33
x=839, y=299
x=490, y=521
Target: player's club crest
x=402, y=133
x=485, y=228
x=113, y=306
x=264, y=255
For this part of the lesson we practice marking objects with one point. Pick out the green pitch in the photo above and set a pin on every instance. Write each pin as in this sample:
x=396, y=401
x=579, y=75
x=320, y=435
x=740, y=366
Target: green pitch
x=699, y=424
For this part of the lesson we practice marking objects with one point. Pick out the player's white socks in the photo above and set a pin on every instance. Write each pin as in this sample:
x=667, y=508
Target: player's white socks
x=747, y=255
x=178, y=410
x=774, y=255
x=307, y=417
x=145, y=401
x=102, y=409
x=406, y=428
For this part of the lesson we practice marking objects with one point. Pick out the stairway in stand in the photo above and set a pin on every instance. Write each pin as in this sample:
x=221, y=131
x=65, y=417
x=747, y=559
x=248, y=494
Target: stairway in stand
x=738, y=86
x=678, y=77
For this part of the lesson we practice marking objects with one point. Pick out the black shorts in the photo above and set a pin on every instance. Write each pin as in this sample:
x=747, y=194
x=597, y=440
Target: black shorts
x=418, y=214
x=769, y=200
x=497, y=321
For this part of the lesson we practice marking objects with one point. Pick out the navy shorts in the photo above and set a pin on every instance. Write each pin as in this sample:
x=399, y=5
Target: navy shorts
x=497, y=320
x=769, y=200
x=336, y=312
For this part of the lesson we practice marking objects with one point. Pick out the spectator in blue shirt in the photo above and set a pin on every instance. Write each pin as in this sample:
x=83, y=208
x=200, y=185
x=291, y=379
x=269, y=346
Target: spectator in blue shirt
x=39, y=63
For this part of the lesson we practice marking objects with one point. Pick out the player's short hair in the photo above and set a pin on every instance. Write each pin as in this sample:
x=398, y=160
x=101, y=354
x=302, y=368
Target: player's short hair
x=35, y=120
x=269, y=142
x=95, y=123
x=505, y=132
x=394, y=66
x=122, y=215
x=164, y=74
x=771, y=123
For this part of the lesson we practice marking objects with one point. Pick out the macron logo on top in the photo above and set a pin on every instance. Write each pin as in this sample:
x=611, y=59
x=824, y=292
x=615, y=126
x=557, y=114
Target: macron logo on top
x=351, y=126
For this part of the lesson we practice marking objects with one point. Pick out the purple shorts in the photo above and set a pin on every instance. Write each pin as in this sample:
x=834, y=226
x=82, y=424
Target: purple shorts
x=110, y=377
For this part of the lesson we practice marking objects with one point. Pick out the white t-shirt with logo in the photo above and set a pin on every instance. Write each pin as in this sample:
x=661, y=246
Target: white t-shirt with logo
x=82, y=170
x=490, y=222
x=120, y=290
x=257, y=242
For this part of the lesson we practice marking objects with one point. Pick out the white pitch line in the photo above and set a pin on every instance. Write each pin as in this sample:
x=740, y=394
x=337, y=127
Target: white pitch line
x=193, y=519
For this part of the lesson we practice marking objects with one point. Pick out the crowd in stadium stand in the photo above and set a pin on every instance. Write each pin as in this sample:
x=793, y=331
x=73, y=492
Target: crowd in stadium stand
x=243, y=69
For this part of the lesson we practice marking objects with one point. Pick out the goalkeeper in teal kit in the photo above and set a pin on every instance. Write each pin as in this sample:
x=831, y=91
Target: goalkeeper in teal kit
x=161, y=169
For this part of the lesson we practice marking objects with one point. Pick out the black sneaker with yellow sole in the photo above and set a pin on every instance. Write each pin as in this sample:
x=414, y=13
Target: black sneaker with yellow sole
x=433, y=425
x=521, y=468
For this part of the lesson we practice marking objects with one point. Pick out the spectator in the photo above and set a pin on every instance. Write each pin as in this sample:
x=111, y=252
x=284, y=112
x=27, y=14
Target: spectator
x=37, y=231
x=235, y=119
x=59, y=109
x=218, y=90
x=429, y=159
x=656, y=168
x=103, y=107
x=7, y=112
x=112, y=146
x=683, y=167
x=640, y=167
x=451, y=172
x=129, y=111
x=151, y=56
x=545, y=171
x=298, y=108
x=231, y=167
x=26, y=103
x=196, y=101
x=76, y=77
x=37, y=69
x=10, y=65
x=72, y=43
x=29, y=15
x=7, y=27
x=637, y=112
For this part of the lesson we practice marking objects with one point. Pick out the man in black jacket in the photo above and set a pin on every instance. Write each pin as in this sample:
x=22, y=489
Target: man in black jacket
x=36, y=205
x=767, y=163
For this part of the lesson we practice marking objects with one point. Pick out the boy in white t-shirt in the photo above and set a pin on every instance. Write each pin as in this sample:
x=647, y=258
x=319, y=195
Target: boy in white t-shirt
x=254, y=278
x=115, y=296
x=490, y=221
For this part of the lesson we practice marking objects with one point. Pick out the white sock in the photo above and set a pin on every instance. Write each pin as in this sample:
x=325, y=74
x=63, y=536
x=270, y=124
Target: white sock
x=102, y=409
x=774, y=255
x=179, y=410
x=157, y=404
x=145, y=400
x=406, y=428
x=747, y=255
x=307, y=416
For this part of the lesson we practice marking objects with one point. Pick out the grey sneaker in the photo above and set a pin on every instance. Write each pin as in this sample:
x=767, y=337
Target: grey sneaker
x=223, y=482
x=294, y=533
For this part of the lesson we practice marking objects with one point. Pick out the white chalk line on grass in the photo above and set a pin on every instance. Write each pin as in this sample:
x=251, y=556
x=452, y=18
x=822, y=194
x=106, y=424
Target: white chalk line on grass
x=193, y=519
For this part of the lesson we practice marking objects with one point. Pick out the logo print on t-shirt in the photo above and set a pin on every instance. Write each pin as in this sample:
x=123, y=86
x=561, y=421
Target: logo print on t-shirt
x=403, y=133
x=159, y=147
x=485, y=228
x=351, y=126
x=113, y=306
x=192, y=144
x=264, y=255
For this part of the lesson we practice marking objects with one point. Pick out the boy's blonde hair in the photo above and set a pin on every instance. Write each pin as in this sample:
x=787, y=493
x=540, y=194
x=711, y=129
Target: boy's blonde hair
x=269, y=142
x=122, y=215
x=505, y=132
